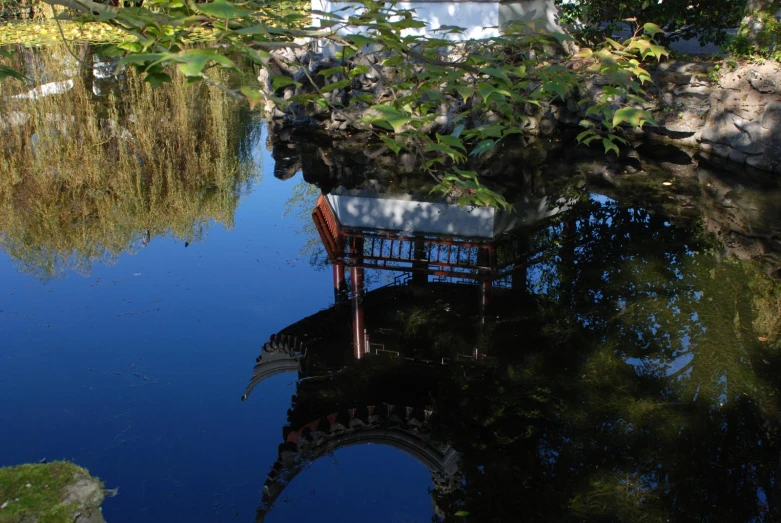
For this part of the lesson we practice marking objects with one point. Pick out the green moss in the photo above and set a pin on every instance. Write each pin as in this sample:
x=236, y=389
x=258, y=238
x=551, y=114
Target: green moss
x=36, y=492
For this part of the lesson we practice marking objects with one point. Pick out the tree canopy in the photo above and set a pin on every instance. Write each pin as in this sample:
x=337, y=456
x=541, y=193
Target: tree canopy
x=496, y=84
x=703, y=19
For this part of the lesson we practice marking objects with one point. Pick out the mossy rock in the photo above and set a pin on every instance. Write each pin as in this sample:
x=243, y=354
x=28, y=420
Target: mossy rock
x=56, y=492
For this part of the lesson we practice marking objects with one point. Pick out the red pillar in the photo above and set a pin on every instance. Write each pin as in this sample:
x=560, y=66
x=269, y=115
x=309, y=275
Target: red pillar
x=340, y=283
x=356, y=280
x=485, y=259
x=420, y=264
x=485, y=298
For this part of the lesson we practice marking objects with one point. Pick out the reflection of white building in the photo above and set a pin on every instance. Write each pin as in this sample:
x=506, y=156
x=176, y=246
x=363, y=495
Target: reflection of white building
x=479, y=19
x=402, y=214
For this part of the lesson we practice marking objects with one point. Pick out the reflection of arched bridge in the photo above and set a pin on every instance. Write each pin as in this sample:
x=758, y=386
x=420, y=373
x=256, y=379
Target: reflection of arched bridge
x=280, y=354
x=407, y=431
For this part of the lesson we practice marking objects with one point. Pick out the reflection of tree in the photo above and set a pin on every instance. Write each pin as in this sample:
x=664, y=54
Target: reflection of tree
x=300, y=204
x=636, y=388
x=86, y=180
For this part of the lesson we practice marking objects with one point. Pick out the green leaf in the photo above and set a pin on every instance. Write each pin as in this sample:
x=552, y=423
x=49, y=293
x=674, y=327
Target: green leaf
x=465, y=92
x=209, y=55
x=491, y=131
x=157, y=79
x=330, y=71
x=361, y=69
x=345, y=53
x=485, y=90
x=341, y=84
x=469, y=175
x=389, y=117
x=585, y=134
x=631, y=115
x=515, y=130
x=452, y=141
x=395, y=118
x=634, y=98
x=253, y=97
x=360, y=40
x=457, y=131
x=280, y=81
x=594, y=110
x=659, y=51
x=393, y=61
x=253, y=30
x=610, y=146
x=222, y=9
x=496, y=73
x=193, y=66
x=609, y=90
x=462, y=513
x=653, y=29
x=366, y=98
x=133, y=47
x=193, y=61
x=584, y=53
x=392, y=144
x=482, y=147
x=142, y=59
x=456, y=156
x=556, y=88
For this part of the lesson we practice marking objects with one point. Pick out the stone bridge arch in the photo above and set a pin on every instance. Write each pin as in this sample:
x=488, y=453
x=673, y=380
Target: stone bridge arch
x=409, y=434
x=280, y=354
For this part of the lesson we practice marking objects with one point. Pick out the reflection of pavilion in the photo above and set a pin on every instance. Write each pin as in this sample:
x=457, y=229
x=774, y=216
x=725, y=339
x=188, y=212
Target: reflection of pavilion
x=358, y=404
x=444, y=253
x=421, y=239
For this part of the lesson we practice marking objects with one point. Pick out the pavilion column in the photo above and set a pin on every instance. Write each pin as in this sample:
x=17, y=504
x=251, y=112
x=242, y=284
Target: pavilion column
x=520, y=276
x=485, y=260
x=357, y=283
x=420, y=265
x=340, y=283
x=485, y=299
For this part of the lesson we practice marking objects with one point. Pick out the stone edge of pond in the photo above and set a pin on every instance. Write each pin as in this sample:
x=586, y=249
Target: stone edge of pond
x=54, y=492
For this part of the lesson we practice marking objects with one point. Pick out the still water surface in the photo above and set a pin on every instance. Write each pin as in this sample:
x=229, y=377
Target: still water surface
x=621, y=365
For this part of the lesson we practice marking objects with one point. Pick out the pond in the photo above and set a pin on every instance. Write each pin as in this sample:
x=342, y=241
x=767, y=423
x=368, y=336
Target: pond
x=229, y=320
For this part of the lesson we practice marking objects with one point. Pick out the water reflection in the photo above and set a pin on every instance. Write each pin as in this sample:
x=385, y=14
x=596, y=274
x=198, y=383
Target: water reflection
x=608, y=351
x=91, y=172
x=623, y=368
x=355, y=405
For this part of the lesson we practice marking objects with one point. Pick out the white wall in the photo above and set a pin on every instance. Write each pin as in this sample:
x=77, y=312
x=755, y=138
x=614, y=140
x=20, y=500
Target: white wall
x=478, y=19
x=406, y=216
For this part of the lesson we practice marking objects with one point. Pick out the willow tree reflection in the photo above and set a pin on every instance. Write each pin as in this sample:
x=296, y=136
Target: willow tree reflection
x=87, y=177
